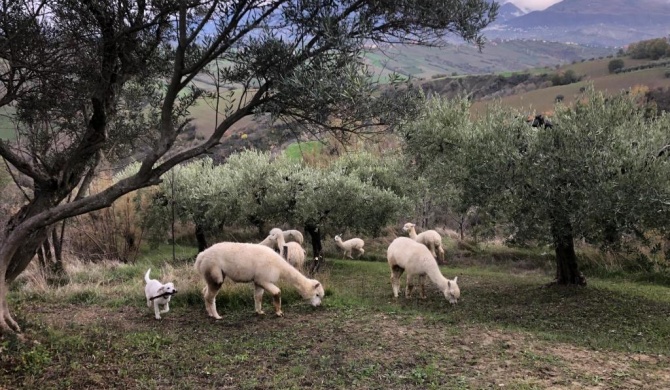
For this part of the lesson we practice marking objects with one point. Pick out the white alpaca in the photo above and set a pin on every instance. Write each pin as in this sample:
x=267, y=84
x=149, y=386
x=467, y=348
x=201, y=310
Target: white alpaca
x=429, y=238
x=255, y=263
x=405, y=254
x=354, y=244
x=293, y=235
x=295, y=254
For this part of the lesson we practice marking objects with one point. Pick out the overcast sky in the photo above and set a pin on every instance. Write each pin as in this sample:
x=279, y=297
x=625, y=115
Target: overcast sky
x=533, y=5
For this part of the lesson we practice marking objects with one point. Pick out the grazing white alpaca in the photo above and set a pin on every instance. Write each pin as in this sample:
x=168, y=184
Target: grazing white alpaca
x=293, y=235
x=429, y=238
x=295, y=254
x=255, y=263
x=405, y=254
x=354, y=244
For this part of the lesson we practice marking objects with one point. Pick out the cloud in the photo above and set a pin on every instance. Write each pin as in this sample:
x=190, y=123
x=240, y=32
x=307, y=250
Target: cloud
x=533, y=5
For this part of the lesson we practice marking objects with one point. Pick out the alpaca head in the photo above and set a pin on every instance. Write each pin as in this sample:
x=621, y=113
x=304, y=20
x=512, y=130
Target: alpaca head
x=452, y=292
x=316, y=293
x=276, y=235
x=408, y=226
x=338, y=238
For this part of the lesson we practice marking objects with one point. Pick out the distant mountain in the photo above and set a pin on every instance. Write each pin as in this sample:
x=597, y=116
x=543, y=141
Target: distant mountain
x=593, y=22
x=507, y=12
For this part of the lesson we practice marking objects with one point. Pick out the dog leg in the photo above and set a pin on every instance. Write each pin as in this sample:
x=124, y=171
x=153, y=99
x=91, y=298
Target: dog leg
x=258, y=299
x=167, y=307
x=157, y=311
x=276, y=297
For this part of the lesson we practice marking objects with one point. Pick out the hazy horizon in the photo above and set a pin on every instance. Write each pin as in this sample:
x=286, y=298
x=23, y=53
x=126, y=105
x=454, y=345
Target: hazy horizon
x=533, y=5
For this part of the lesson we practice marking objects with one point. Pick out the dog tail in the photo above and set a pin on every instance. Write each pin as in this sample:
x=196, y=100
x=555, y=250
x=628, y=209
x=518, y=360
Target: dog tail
x=146, y=276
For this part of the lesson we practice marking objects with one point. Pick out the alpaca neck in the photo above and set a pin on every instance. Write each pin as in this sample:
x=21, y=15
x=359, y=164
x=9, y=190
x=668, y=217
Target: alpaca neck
x=294, y=277
x=412, y=233
x=339, y=244
x=436, y=277
x=280, y=244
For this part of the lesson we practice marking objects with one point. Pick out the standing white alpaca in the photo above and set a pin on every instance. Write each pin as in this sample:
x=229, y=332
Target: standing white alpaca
x=407, y=255
x=354, y=244
x=255, y=263
x=295, y=254
x=429, y=238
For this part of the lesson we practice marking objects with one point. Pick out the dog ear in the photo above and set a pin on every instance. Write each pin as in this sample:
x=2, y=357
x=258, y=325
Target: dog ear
x=161, y=289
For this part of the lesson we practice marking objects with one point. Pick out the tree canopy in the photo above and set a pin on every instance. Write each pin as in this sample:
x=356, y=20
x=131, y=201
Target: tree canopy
x=601, y=170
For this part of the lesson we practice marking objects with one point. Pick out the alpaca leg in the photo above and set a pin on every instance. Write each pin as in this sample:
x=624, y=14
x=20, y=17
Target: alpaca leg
x=441, y=252
x=258, y=299
x=210, y=299
x=348, y=253
x=409, y=286
x=276, y=297
x=396, y=272
x=360, y=253
x=422, y=284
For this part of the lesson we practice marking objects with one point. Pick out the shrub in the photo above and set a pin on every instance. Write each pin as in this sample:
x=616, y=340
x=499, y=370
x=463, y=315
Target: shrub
x=615, y=65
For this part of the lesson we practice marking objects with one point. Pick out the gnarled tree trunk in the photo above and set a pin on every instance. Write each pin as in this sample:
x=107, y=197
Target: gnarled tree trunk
x=567, y=270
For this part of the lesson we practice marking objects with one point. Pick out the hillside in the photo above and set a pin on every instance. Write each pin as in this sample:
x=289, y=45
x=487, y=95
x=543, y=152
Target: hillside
x=592, y=22
x=496, y=56
x=593, y=72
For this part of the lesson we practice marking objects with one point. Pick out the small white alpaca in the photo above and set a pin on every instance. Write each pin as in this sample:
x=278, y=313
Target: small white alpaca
x=293, y=235
x=243, y=263
x=289, y=235
x=405, y=254
x=354, y=244
x=429, y=238
x=295, y=253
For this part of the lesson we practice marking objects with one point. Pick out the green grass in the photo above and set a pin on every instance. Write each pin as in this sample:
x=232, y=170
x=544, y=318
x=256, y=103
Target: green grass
x=507, y=331
x=296, y=151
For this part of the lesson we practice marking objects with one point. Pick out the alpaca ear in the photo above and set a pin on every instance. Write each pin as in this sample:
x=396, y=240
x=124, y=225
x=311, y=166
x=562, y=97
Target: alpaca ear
x=449, y=283
x=317, y=285
x=456, y=279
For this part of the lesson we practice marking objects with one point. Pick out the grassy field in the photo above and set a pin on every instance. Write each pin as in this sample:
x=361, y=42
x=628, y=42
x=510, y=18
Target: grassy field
x=508, y=331
x=542, y=100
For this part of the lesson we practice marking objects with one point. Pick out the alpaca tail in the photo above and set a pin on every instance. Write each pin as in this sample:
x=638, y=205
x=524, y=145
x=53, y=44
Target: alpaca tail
x=146, y=276
x=198, y=260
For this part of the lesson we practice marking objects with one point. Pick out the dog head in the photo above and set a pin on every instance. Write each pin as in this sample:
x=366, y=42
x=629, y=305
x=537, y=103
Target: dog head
x=316, y=293
x=167, y=288
x=452, y=292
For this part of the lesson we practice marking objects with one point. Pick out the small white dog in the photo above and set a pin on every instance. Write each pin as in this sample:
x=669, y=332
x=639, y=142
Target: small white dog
x=158, y=294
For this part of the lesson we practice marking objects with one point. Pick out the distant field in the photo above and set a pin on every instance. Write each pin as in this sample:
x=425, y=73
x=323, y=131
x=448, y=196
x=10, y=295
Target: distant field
x=542, y=100
x=296, y=151
x=495, y=57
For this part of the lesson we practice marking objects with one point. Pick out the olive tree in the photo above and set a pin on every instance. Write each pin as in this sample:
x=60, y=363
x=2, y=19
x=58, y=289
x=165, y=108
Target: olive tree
x=360, y=192
x=599, y=171
x=92, y=80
